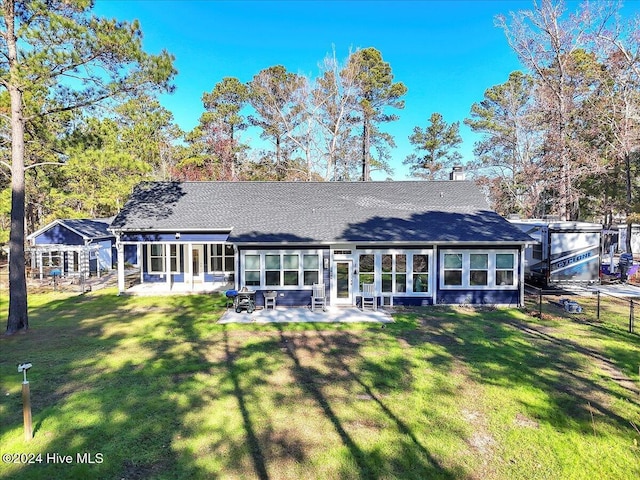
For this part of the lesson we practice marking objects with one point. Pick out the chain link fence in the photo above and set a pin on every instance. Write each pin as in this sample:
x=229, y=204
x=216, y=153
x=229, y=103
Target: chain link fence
x=49, y=283
x=588, y=305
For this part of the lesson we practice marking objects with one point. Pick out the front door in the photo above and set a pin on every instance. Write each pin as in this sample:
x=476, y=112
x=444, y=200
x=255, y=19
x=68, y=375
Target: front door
x=197, y=263
x=342, y=287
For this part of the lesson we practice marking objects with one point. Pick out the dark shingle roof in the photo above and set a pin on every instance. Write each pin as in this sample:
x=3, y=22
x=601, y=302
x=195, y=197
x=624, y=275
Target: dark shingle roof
x=90, y=228
x=412, y=211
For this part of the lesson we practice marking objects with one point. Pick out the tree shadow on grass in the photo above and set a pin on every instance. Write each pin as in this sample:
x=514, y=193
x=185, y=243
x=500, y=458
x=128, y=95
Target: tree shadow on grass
x=163, y=392
x=388, y=376
x=250, y=431
x=96, y=389
x=385, y=376
x=508, y=352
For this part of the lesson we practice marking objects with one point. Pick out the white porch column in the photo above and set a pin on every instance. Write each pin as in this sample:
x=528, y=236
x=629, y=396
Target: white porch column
x=521, y=268
x=120, y=250
x=188, y=270
x=435, y=276
x=140, y=259
x=167, y=264
x=98, y=261
x=41, y=268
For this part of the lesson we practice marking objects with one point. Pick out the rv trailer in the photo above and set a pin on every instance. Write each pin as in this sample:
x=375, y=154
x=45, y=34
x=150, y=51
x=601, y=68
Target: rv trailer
x=564, y=252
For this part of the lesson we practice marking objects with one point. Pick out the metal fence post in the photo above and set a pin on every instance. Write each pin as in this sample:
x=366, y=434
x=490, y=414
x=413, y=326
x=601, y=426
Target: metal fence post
x=631, y=316
x=598, y=310
x=540, y=304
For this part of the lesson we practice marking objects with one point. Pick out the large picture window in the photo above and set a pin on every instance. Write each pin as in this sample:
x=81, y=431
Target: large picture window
x=286, y=269
x=478, y=269
x=393, y=272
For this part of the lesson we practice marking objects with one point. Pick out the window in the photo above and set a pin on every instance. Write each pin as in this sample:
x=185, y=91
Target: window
x=291, y=264
x=366, y=269
x=420, y=273
x=156, y=252
x=536, y=251
x=452, y=269
x=478, y=269
x=51, y=259
x=401, y=273
x=505, y=263
x=221, y=258
x=281, y=268
x=156, y=258
x=387, y=272
x=252, y=270
x=395, y=273
x=173, y=258
x=272, y=270
x=311, y=267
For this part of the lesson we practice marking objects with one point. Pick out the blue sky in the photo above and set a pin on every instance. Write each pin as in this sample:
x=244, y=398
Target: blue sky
x=447, y=53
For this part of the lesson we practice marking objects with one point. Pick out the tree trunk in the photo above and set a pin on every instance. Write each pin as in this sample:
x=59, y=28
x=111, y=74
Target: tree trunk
x=17, y=319
x=365, y=150
x=629, y=185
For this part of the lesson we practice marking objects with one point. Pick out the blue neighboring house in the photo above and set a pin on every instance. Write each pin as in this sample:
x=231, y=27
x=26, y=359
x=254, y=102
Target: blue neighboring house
x=418, y=242
x=72, y=247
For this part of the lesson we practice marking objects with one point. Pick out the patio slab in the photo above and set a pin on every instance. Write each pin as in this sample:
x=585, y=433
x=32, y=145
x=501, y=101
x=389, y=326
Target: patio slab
x=618, y=290
x=302, y=315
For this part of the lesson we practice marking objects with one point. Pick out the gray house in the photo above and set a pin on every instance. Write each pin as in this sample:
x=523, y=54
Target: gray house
x=418, y=242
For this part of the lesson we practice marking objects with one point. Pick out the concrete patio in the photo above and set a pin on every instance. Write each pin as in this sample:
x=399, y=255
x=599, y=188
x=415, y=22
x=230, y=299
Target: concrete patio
x=302, y=315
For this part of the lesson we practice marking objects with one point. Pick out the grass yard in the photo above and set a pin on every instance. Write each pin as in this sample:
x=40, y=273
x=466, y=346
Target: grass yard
x=153, y=388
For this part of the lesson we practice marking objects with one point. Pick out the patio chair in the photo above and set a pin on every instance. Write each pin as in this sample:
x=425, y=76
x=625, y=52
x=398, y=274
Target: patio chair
x=270, y=299
x=318, y=296
x=369, y=298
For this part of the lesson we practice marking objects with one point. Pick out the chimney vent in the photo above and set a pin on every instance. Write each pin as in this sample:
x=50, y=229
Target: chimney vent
x=457, y=173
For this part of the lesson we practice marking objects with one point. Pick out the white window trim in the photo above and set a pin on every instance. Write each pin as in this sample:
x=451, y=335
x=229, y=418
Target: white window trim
x=301, y=269
x=166, y=248
x=409, y=273
x=466, y=268
x=210, y=247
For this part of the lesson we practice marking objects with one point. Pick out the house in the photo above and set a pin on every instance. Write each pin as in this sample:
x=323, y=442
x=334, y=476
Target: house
x=72, y=247
x=418, y=242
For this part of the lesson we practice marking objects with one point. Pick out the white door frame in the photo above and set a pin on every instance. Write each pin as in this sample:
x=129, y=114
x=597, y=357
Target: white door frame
x=200, y=252
x=348, y=300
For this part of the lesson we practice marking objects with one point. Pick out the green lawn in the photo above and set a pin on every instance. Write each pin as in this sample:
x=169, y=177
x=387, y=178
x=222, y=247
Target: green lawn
x=154, y=388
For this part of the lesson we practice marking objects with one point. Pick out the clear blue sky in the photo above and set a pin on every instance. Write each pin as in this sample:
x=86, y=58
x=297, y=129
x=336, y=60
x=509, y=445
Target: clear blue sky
x=447, y=53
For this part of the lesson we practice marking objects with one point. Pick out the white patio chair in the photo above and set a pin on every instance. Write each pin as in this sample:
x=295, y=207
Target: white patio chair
x=270, y=299
x=318, y=296
x=369, y=298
